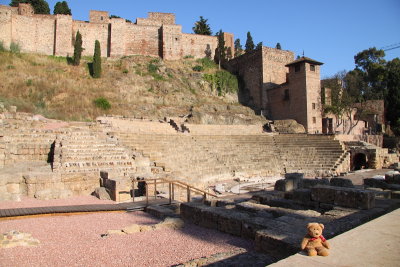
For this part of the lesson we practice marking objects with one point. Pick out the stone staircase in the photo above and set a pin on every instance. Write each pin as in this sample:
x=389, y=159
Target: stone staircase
x=313, y=155
x=83, y=150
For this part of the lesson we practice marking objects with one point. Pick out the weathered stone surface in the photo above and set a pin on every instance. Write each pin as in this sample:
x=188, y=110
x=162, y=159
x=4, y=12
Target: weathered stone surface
x=341, y=182
x=389, y=176
x=47, y=194
x=377, y=183
x=322, y=193
x=160, y=212
x=309, y=183
x=265, y=197
x=395, y=195
x=302, y=195
x=286, y=185
x=131, y=229
x=101, y=193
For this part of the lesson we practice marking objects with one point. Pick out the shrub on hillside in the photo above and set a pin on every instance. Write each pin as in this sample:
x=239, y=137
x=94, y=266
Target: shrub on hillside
x=102, y=103
x=206, y=63
x=223, y=81
x=14, y=48
x=198, y=68
x=2, y=48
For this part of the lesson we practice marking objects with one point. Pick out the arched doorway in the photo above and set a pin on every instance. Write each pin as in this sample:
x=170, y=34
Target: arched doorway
x=360, y=161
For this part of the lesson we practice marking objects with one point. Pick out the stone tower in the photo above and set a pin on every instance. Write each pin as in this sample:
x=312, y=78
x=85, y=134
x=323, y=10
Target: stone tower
x=304, y=91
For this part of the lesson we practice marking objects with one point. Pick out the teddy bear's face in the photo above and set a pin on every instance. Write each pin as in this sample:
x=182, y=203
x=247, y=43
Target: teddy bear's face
x=315, y=229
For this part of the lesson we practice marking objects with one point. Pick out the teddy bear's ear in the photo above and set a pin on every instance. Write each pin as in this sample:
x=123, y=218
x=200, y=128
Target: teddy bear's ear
x=322, y=226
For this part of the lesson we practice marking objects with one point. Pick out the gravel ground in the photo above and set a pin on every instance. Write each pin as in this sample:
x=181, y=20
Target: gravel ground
x=358, y=176
x=27, y=202
x=76, y=241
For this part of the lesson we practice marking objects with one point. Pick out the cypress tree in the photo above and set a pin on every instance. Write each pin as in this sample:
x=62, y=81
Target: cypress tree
x=97, y=60
x=238, y=48
x=249, y=43
x=202, y=27
x=259, y=45
x=278, y=46
x=77, y=49
x=221, y=49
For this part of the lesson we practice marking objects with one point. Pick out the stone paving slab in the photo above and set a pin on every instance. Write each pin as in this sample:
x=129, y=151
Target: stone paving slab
x=5, y=213
x=372, y=244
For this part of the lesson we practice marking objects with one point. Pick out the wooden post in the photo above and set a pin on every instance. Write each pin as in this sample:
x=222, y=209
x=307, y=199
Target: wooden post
x=133, y=190
x=170, y=192
x=155, y=188
x=204, y=197
x=188, y=194
x=173, y=191
x=147, y=195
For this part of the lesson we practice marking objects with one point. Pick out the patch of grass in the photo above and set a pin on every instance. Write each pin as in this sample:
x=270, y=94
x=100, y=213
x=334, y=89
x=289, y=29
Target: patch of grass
x=125, y=71
x=58, y=59
x=152, y=68
x=151, y=90
x=206, y=63
x=188, y=56
x=10, y=67
x=29, y=82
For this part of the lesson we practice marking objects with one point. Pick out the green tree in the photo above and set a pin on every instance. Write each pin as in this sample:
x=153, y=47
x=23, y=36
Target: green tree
x=393, y=99
x=39, y=6
x=238, y=48
x=249, y=43
x=97, y=60
x=259, y=45
x=278, y=46
x=201, y=27
x=62, y=8
x=77, y=49
x=372, y=68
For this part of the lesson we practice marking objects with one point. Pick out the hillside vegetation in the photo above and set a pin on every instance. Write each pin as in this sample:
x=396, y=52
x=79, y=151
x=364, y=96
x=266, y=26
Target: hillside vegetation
x=135, y=86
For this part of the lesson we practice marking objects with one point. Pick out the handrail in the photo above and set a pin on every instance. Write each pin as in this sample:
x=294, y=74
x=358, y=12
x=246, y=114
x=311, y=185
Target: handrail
x=171, y=187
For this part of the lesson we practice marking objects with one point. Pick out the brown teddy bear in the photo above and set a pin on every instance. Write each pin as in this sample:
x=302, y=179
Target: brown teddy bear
x=314, y=242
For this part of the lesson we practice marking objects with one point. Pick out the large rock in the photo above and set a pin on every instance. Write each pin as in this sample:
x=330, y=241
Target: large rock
x=15, y=238
x=102, y=193
x=288, y=126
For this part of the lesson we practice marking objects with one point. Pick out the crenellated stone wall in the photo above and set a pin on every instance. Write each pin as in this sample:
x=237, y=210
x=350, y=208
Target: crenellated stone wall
x=156, y=35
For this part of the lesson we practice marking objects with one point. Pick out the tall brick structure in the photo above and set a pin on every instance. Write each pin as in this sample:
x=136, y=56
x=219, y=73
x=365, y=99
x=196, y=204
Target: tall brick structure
x=156, y=35
x=280, y=87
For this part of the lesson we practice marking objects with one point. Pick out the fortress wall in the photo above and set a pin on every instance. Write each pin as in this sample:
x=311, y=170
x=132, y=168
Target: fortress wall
x=164, y=18
x=279, y=107
x=196, y=45
x=5, y=25
x=274, y=70
x=90, y=33
x=250, y=68
x=172, y=42
x=148, y=22
x=229, y=42
x=34, y=34
x=63, y=39
x=118, y=32
x=141, y=40
x=98, y=16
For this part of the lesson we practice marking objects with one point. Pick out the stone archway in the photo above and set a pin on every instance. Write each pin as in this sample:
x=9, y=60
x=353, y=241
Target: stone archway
x=360, y=161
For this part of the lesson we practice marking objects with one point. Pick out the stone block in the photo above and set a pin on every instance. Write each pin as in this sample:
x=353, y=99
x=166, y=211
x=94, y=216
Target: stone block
x=309, y=183
x=395, y=195
x=341, y=182
x=302, y=195
x=13, y=188
x=230, y=223
x=345, y=198
x=265, y=197
x=209, y=219
x=377, y=183
x=323, y=193
x=286, y=185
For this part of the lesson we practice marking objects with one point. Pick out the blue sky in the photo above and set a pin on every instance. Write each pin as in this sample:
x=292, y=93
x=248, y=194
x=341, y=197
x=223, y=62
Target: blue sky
x=328, y=31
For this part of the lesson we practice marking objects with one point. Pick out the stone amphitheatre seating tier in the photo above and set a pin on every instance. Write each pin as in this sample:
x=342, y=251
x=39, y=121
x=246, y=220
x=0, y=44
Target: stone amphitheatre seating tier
x=196, y=129
x=195, y=157
x=82, y=150
x=25, y=145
